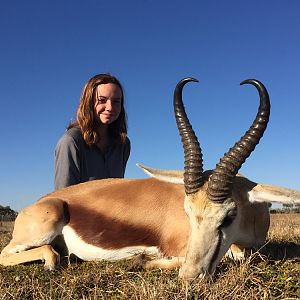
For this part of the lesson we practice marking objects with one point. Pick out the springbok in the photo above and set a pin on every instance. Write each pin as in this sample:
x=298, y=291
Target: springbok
x=190, y=225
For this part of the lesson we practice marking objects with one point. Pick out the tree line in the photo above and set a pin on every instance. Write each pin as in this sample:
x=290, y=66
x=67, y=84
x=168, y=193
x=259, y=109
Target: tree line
x=6, y=213
x=287, y=208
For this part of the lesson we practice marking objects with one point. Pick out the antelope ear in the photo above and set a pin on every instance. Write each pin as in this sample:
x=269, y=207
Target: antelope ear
x=273, y=193
x=171, y=176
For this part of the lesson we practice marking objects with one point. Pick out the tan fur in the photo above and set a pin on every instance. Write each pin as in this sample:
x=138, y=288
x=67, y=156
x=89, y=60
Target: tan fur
x=116, y=213
x=87, y=205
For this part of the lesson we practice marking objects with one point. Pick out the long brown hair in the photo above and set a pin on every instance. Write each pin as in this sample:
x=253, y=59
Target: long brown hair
x=86, y=117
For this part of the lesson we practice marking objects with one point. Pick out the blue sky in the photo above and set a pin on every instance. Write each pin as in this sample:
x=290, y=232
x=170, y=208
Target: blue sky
x=49, y=49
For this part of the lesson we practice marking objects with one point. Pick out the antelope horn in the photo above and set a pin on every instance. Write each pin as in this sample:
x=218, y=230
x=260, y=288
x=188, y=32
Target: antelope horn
x=193, y=169
x=220, y=182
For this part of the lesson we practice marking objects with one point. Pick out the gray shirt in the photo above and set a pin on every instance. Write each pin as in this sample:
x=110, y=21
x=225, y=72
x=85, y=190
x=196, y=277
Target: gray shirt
x=76, y=162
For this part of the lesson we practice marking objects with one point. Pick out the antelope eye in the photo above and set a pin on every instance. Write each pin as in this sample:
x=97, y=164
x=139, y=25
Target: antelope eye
x=229, y=218
x=227, y=221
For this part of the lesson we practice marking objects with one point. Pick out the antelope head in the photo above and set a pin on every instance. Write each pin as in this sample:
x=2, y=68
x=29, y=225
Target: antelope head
x=210, y=203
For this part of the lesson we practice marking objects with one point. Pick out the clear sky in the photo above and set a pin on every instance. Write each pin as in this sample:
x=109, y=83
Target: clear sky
x=49, y=49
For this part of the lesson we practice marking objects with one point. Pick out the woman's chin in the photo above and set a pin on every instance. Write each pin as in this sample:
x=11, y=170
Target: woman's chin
x=106, y=121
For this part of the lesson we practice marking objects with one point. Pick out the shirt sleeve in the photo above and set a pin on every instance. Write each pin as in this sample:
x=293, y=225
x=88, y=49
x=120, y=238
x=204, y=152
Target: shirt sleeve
x=127, y=149
x=67, y=162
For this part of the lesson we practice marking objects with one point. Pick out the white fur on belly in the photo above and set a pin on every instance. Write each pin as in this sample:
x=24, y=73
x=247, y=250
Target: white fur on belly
x=87, y=252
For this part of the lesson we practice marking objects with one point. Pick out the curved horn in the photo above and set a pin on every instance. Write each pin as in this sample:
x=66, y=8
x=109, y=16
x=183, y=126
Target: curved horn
x=193, y=166
x=220, y=183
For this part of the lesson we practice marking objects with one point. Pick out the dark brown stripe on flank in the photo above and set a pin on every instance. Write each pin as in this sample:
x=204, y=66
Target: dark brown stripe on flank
x=109, y=233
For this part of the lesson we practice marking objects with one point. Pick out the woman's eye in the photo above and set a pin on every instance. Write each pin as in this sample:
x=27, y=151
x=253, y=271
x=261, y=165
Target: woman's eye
x=102, y=100
x=117, y=101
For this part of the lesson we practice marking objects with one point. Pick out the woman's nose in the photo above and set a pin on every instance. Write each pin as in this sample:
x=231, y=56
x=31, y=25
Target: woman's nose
x=108, y=105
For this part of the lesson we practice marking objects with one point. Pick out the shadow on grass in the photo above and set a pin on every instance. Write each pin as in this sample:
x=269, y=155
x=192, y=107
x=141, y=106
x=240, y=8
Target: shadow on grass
x=281, y=250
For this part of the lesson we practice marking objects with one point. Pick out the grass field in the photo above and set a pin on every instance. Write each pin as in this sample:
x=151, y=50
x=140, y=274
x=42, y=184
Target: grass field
x=273, y=273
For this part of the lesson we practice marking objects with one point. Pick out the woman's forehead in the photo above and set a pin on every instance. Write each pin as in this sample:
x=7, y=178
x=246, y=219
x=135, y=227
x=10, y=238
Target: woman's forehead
x=109, y=89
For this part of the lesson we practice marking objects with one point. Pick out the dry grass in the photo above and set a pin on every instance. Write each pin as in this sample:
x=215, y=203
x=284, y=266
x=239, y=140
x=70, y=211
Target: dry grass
x=274, y=273
x=6, y=227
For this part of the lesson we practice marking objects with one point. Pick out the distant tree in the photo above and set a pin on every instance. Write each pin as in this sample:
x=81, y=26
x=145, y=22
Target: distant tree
x=291, y=208
x=7, y=213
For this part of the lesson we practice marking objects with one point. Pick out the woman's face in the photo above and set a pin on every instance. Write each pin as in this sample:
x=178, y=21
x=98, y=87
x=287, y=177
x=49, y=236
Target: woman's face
x=108, y=102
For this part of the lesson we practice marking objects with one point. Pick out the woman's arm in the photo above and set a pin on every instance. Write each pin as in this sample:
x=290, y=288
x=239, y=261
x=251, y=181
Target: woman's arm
x=67, y=162
x=127, y=149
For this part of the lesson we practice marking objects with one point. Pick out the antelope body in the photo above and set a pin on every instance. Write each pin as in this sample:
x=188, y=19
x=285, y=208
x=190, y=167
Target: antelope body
x=188, y=219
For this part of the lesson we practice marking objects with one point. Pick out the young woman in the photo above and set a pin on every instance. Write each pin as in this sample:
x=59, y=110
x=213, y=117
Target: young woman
x=96, y=145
